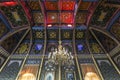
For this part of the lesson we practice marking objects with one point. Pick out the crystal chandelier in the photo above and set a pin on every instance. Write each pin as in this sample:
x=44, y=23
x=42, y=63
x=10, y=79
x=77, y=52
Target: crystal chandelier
x=60, y=56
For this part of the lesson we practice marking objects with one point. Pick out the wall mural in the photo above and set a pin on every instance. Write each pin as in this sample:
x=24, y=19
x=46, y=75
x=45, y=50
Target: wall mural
x=102, y=14
x=15, y=14
x=89, y=72
x=107, y=70
x=11, y=70
x=30, y=70
x=3, y=29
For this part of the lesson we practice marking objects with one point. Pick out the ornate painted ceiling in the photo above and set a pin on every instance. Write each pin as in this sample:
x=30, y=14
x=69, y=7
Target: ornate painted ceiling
x=89, y=29
x=66, y=19
x=91, y=25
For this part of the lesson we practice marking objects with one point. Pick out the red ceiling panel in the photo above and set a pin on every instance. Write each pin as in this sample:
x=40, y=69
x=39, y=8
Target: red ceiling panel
x=67, y=5
x=10, y=3
x=50, y=5
x=67, y=17
x=52, y=17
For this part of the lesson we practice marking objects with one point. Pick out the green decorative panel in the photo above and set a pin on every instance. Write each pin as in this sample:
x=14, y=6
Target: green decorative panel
x=66, y=34
x=102, y=15
x=15, y=14
x=23, y=48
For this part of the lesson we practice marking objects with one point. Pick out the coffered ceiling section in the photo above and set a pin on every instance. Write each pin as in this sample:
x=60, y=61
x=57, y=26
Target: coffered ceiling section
x=59, y=13
x=103, y=14
x=51, y=5
x=14, y=12
x=68, y=5
x=84, y=12
x=34, y=7
x=52, y=17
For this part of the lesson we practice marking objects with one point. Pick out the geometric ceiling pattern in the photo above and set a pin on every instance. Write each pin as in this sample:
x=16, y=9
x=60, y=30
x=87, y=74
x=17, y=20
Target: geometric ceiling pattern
x=53, y=14
x=56, y=12
x=88, y=29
